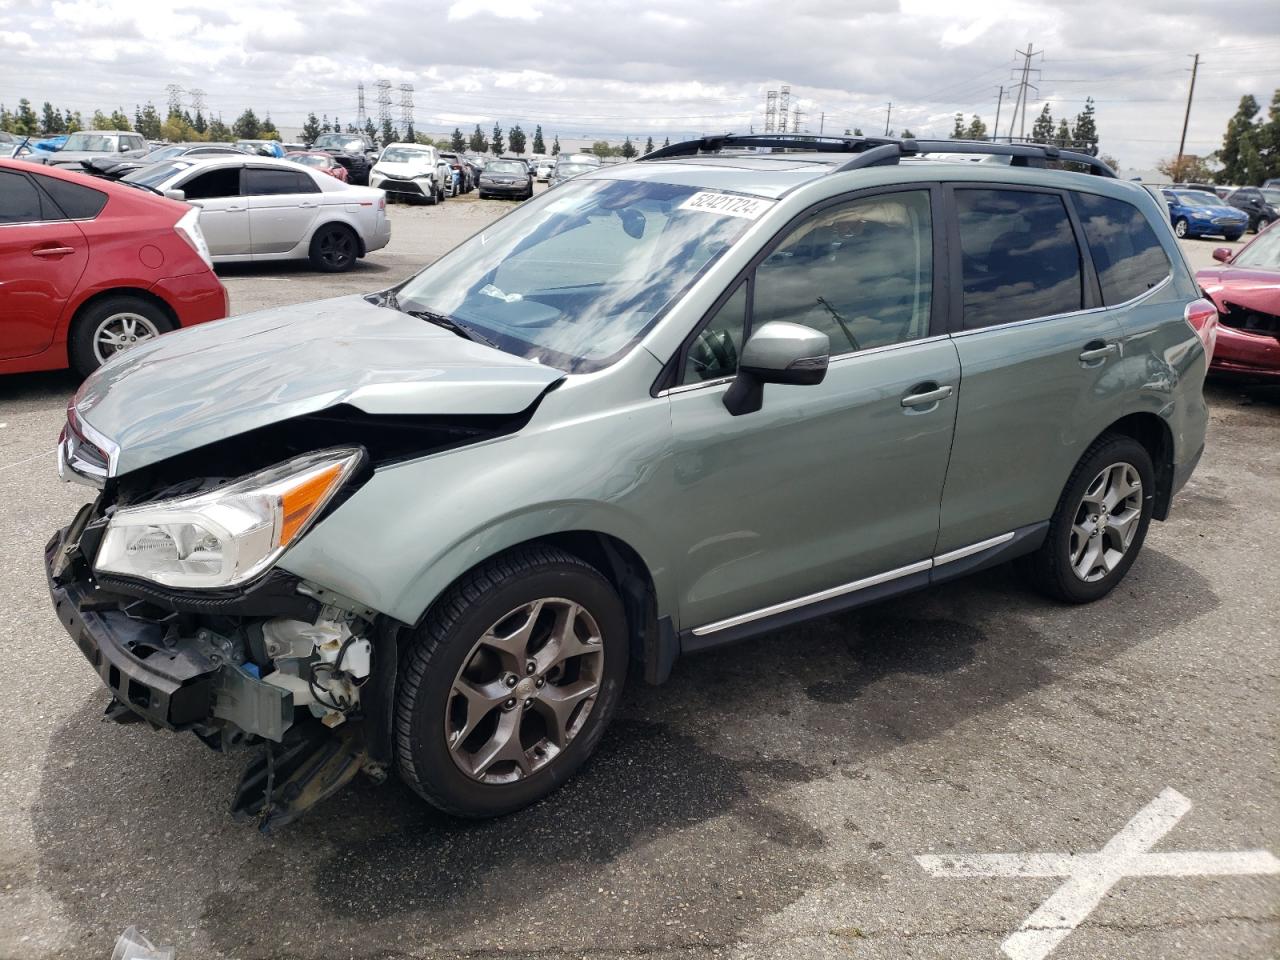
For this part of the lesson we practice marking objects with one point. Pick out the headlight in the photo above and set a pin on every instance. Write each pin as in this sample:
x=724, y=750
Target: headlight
x=229, y=535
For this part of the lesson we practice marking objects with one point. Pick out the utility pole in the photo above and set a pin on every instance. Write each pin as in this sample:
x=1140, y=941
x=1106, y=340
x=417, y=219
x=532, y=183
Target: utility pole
x=1195, y=65
x=1024, y=85
x=887, y=115
x=822, y=122
x=995, y=129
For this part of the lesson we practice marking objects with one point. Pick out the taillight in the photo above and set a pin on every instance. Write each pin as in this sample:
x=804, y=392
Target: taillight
x=382, y=203
x=189, y=229
x=1203, y=317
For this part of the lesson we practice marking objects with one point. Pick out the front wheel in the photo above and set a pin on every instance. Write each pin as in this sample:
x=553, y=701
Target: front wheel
x=110, y=325
x=1263, y=223
x=1181, y=227
x=1100, y=522
x=508, y=685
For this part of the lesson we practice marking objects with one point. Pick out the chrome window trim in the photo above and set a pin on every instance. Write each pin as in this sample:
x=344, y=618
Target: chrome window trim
x=856, y=585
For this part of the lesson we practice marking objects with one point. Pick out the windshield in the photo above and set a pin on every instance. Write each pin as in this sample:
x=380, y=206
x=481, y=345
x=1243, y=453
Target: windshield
x=311, y=160
x=338, y=141
x=505, y=166
x=1264, y=252
x=1194, y=198
x=89, y=141
x=573, y=279
x=566, y=170
x=164, y=153
x=404, y=155
x=156, y=174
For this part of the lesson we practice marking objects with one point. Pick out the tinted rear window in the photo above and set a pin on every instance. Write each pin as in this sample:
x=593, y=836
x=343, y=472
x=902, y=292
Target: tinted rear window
x=19, y=199
x=76, y=201
x=1020, y=258
x=1126, y=254
x=261, y=183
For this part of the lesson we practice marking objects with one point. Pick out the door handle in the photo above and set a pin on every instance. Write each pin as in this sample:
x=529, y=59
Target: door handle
x=1097, y=350
x=52, y=251
x=932, y=395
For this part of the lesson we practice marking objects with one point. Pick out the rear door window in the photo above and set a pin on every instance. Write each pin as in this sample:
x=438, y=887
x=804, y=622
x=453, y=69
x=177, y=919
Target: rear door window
x=262, y=182
x=19, y=199
x=1019, y=257
x=1126, y=254
x=212, y=184
x=77, y=202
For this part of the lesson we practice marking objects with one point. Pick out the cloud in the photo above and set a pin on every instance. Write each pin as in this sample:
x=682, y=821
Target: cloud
x=503, y=9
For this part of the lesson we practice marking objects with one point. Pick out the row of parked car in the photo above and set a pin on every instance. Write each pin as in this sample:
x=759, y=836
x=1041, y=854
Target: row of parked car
x=1203, y=210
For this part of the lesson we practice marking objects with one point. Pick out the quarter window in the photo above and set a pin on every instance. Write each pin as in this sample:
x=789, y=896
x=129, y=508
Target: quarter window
x=19, y=200
x=1019, y=257
x=1126, y=254
x=77, y=202
x=861, y=272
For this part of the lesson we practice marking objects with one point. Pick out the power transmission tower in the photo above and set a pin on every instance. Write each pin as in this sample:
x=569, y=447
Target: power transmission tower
x=796, y=116
x=1024, y=86
x=784, y=106
x=175, y=98
x=1195, y=66
x=384, y=103
x=771, y=111
x=406, y=106
x=361, y=116
x=197, y=99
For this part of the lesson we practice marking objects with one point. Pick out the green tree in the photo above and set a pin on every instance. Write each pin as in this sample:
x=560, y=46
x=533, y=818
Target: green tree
x=977, y=130
x=200, y=124
x=495, y=141
x=25, y=121
x=1110, y=161
x=176, y=129
x=555, y=147
x=1063, y=137
x=1085, y=131
x=311, y=129
x=120, y=121
x=50, y=120
x=387, y=134
x=1241, y=129
x=539, y=145
x=146, y=120
x=516, y=140
x=477, y=143
x=267, y=130
x=957, y=131
x=628, y=148
x=1269, y=137
x=218, y=131
x=666, y=141
x=602, y=149
x=100, y=121
x=1042, y=129
x=336, y=127
x=247, y=126
x=457, y=142
x=648, y=145
x=370, y=130
x=74, y=123
x=6, y=119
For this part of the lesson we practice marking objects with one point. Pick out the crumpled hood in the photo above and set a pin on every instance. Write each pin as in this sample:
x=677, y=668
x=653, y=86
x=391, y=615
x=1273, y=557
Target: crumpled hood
x=1251, y=287
x=204, y=383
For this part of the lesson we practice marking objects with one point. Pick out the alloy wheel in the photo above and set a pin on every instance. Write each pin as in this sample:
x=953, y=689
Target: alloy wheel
x=524, y=691
x=337, y=248
x=1106, y=521
x=119, y=332
x=1180, y=228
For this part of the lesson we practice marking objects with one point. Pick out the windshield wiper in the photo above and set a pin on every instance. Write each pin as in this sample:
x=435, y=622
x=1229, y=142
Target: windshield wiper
x=142, y=186
x=446, y=321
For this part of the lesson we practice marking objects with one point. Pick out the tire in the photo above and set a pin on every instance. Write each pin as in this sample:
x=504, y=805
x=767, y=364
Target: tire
x=1233, y=237
x=1181, y=227
x=90, y=344
x=1262, y=224
x=429, y=709
x=1053, y=568
x=482, y=195
x=335, y=248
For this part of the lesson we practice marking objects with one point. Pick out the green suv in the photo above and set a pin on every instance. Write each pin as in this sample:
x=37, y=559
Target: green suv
x=666, y=406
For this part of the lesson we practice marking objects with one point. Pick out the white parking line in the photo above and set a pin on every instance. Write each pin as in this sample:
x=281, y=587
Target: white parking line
x=1090, y=876
x=18, y=463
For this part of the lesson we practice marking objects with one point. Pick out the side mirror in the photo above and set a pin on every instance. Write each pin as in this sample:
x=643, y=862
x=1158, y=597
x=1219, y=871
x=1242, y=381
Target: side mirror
x=176, y=194
x=1223, y=254
x=778, y=352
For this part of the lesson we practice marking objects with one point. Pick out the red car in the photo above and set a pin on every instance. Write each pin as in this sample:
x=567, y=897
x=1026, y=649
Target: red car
x=1246, y=291
x=320, y=161
x=90, y=267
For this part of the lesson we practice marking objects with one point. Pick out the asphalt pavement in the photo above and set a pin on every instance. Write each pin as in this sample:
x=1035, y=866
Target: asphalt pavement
x=772, y=801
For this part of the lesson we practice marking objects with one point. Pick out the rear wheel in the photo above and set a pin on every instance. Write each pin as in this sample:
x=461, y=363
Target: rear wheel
x=1263, y=223
x=1100, y=523
x=110, y=325
x=334, y=248
x=508, y=685
x=1180, y=227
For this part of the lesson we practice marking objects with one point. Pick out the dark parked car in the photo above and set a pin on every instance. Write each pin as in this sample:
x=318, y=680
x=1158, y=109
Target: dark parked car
x=1252, y=202
x=354, y=151
x=1246, y=291
x=506, y=178
x=113, y=168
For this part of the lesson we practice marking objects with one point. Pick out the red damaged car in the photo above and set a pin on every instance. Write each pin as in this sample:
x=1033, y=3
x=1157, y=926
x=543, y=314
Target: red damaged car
x=1246, y=291
x=319, y=161
x=89, y=267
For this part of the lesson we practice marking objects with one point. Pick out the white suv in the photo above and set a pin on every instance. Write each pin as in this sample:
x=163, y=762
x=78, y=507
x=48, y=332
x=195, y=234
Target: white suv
x=412, y=171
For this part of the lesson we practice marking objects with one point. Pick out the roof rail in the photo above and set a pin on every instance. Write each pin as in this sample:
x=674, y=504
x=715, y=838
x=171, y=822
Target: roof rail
x=882, y=151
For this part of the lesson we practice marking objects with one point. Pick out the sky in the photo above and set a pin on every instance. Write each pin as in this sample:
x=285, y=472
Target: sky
x=606, y=69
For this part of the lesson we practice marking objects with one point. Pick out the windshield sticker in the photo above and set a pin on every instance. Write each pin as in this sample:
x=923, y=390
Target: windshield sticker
x=728, y=205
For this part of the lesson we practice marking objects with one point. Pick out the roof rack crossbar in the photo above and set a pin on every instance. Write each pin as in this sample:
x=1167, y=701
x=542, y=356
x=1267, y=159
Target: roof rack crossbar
x=880, y=151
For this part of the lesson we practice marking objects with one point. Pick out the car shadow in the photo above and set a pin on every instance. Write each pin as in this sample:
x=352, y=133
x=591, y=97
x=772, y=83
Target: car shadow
x=37, y=388
x=284, y=268
x=683, y=828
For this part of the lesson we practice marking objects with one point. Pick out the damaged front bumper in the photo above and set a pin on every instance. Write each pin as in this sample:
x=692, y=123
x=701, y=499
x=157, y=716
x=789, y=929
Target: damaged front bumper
x=251, y=668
